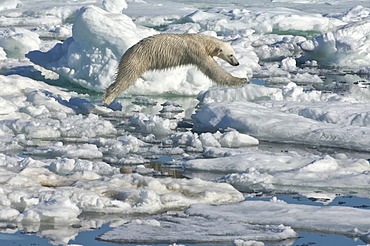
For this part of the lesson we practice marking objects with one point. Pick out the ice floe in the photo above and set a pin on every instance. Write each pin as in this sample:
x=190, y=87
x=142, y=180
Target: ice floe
x=250, y=220
x=68, y=164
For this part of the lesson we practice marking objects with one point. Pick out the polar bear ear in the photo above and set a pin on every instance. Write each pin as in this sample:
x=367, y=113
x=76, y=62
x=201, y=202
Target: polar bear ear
x=218, y=51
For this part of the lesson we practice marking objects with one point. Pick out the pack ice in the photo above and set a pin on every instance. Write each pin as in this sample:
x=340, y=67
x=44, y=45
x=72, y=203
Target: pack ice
x=68, y=164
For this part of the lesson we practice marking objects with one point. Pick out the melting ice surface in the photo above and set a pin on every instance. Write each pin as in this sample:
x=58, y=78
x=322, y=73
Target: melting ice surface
x=68, y=164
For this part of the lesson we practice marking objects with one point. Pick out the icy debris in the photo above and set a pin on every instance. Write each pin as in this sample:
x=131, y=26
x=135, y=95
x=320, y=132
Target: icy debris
x=282, y=19
x=293, y=92
x=249, y=92
x=354, y=14
x=145, y=101
x=114, y=6
x=152, y=124
x=121, y=146
x=75, y=126
x=234, y=139
x=306, y=78
x=57, y=209
x=17, y=41
x=289, y=64
x=141, y=169
x=66, y=166
x=83, y=151
x=8, y=214
x=260, y=161
x=209, y=140
x=187, y=139
x=2, y=54
x=240, y=242
x=170, y=109
x=249, y=180
x=366, y=237
x=228, y=139
x=347, y=47
x=8, y=4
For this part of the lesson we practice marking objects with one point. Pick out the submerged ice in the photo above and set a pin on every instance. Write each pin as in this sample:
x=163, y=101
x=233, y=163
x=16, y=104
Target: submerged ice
x=71, y=164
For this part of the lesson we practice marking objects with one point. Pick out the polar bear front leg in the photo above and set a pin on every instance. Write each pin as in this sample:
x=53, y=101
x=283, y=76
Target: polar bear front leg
x=210, y=68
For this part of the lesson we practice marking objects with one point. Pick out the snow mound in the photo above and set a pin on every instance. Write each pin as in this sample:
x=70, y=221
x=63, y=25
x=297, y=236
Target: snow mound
x=90, y=58
x=17, y=41
x=347, y=47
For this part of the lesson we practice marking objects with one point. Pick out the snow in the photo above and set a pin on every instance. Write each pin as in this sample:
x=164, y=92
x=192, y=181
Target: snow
x=186, y=155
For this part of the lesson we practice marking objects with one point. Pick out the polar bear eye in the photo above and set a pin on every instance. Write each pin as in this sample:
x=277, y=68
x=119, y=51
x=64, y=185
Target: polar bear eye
x=231, y=55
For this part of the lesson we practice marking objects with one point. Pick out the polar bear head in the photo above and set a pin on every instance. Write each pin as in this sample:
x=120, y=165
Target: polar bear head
x=227, y=53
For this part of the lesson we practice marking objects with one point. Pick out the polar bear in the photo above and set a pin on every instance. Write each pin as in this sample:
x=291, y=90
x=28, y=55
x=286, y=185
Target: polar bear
x=163, y=51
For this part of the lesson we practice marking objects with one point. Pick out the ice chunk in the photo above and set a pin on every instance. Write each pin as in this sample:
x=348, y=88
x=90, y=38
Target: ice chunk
x=208, y=139
x=259, y=170
x=234, y=139
x=260, y=161
x=56, y=209
x=343, y=220
x=114, y=6
x=152, y=124
x=289, y=64
x=195, y=228
x=346, y=47
x=17, y=41
x=267, y=124
x=247, y=92
x=2, y=54
x=335, y=112
x=8, y=214
x=8, y=4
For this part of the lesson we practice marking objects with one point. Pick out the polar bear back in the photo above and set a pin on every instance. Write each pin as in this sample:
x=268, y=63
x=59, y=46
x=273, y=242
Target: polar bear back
x=171, y=50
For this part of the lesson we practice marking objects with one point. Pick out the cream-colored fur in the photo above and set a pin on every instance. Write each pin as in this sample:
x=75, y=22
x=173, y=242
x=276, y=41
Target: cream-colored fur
x=170, y=50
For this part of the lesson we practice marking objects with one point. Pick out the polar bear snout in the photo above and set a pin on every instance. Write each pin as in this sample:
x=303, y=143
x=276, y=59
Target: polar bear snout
x=229, y=59
x=233, y=61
